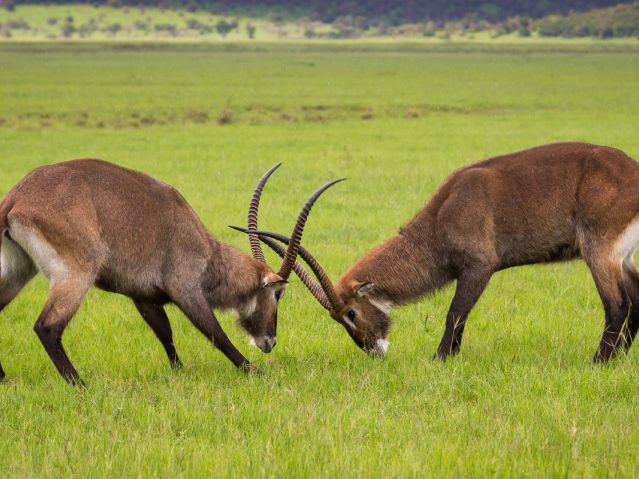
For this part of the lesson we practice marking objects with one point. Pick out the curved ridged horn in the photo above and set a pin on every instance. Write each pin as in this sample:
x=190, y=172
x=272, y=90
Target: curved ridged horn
x=334, y=302
x=313, y=286
x=254, y=241
x=296, y=236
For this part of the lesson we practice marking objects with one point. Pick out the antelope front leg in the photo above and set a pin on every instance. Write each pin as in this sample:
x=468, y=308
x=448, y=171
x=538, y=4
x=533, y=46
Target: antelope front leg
x=156, y=318
x=470, y=286
x=196, y=308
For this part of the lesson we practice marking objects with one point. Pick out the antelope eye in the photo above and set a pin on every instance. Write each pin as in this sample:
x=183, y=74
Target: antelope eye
x=351, y=315
x=278, y=294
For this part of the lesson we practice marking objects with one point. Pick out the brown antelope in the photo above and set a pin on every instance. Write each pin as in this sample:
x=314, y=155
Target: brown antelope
x=90, y=223
x=550, y=203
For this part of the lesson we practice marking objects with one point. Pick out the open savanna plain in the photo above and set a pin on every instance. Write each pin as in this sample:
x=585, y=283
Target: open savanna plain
x=522, y=398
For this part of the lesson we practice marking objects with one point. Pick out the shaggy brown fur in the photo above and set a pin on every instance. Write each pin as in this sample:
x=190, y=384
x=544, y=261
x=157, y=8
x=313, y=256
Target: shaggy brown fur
x=88, y=222
x=550, y=203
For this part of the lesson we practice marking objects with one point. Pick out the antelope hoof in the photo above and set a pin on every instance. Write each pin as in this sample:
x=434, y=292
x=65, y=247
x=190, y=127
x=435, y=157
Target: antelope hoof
x=251, y=370
x=75, y=381
x=440, y=356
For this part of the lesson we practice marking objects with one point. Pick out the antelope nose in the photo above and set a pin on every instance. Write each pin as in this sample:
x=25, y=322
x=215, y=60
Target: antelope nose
x=270, y=342
x=266, y=343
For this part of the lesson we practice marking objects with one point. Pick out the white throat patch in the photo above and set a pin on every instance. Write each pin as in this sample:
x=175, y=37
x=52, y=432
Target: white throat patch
x=382, y=345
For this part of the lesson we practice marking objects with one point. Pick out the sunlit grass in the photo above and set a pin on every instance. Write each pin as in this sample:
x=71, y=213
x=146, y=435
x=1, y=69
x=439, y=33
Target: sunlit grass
x=522, y=399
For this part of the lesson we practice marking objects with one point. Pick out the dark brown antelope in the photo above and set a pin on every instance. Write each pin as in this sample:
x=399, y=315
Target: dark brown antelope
x=90, y=223
x=550, y=203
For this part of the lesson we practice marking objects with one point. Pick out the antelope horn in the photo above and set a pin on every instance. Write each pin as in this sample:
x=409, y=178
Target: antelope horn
x=334, y=302
x=254, y=241
x=296, y=236
x=311, y=284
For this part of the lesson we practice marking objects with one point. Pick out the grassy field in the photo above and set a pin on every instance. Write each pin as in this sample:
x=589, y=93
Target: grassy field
x=522, y=399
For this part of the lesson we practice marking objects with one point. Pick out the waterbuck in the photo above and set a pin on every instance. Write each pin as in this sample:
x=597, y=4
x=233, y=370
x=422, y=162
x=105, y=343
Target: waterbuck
x=88, y=223
x=550, y=203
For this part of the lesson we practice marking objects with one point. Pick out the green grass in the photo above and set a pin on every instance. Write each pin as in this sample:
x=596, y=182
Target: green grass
x=522, y=399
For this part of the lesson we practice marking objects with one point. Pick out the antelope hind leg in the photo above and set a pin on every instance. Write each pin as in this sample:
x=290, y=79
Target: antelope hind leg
x=608, y=278
x=16, y=270
x=64, y=300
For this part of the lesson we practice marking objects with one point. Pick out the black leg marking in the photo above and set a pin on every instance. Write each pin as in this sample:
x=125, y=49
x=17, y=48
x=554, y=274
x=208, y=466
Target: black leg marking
x=156, y=318
x=616, y=313
x=470, y=286
x=616, y=303
x=199, y=313
x=64, y=300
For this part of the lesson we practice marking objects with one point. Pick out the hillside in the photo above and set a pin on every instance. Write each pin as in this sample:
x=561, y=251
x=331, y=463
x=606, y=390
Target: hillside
x=393, y=12
x=105, y=22
x=619, y=21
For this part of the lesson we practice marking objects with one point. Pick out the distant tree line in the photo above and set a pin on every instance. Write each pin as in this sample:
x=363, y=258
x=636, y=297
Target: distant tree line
x=370, y=12
x=619, y=21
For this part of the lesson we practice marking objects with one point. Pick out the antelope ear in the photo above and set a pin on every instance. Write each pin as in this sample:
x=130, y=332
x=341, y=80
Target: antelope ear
x=273, y=279
x=362, y=289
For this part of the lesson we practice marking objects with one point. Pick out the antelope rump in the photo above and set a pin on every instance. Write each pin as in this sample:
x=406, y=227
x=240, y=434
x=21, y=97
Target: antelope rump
x=550, y=203
x=88, y=223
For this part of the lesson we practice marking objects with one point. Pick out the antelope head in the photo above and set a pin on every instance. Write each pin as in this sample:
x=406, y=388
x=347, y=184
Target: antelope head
x=258, y=314
x=365, y=318
x=351, y=303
